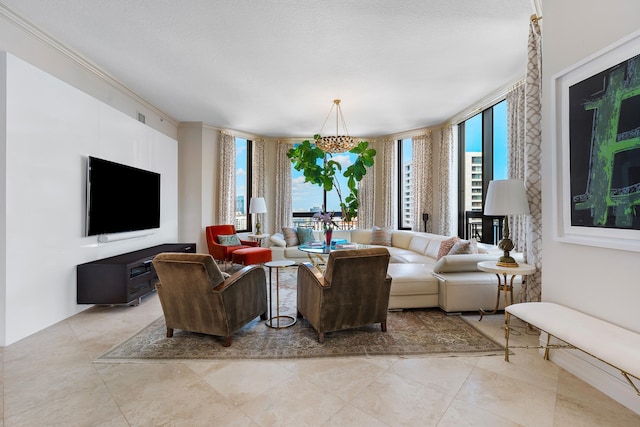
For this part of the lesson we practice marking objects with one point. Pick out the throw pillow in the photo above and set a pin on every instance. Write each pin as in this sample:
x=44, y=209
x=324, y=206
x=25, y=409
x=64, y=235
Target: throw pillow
x=290, y=236
x=380, y=236
x=464, y=247
x=305, y=235
x=278, y=240
x=229, y=240
x=446, y=245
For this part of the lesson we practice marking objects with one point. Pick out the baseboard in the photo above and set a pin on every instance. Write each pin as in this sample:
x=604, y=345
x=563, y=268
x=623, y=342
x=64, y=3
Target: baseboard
x=596, y=373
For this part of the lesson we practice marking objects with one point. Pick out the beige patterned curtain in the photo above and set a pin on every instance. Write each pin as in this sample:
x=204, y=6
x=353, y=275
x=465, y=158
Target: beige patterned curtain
x=422, y=180
x=227, y=179
x=258, y=175
x=533, y=160
x=387, y=190
x=516, y=129
x=366, y=194
x=446, y=225
x=284, y=213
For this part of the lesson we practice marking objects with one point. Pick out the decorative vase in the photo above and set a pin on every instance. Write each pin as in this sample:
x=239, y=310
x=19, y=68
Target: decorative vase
x=327, y=236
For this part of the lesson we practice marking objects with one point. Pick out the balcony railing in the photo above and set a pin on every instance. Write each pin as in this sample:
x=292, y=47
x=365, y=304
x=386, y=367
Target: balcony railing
x=473, y=227
x=306, y=220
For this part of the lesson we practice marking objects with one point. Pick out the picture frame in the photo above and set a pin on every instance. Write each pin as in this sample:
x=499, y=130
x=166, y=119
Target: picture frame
x=594, y=196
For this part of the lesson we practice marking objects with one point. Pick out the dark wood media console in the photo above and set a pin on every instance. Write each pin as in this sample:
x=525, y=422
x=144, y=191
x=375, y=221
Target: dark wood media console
x=122, y=279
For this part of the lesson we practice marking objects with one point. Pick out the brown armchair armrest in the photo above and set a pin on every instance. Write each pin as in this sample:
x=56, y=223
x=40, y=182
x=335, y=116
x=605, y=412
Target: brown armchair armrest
x=235, y=277
x=316, y=273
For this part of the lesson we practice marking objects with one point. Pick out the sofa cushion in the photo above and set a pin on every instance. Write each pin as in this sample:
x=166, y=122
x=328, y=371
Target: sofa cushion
x=362, y=236
x=380, y=236
x=290, y=236
x=412, y=279
x=446, y=245
x=458, y=263
x=278, y=240
x=410, y=257
x=433, y=247
x=402, y=238
x=419, y=244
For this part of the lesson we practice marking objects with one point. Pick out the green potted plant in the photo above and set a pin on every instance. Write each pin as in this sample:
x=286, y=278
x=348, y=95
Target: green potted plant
x=305, y=157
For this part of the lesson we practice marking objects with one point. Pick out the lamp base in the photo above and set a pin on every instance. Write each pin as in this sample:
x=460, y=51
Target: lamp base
x=506, y=261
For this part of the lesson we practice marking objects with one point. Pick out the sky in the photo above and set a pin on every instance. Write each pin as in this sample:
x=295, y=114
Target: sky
x=473, y=138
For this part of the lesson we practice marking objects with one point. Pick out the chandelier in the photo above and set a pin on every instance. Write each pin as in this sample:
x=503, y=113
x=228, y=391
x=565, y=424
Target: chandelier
x=338, y=143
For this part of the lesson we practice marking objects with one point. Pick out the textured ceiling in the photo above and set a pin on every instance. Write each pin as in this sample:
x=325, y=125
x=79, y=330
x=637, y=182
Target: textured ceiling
x=273, y=67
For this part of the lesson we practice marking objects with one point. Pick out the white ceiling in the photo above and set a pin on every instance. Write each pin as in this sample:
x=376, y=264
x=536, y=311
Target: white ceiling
x=273, y=67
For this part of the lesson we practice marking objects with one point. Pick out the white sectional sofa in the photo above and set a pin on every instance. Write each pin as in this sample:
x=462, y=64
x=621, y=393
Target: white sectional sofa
x=452, y=282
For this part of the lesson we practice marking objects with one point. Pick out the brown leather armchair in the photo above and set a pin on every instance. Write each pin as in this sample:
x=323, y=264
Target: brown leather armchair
x=221, y=252
x=352, y=292
x=196, y=297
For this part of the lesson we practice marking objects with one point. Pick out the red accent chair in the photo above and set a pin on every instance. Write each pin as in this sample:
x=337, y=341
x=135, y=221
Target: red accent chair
x=221, y=252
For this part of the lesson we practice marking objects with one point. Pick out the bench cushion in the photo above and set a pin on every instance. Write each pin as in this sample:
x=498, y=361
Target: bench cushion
x=611, y=343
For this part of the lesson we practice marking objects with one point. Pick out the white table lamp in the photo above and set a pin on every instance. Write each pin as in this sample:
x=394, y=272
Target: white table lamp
x=506, y=197
x=257, y=206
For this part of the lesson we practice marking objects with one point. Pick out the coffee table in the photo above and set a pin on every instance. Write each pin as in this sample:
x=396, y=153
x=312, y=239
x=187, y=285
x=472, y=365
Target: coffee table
x=317, y=252
x=278, y=321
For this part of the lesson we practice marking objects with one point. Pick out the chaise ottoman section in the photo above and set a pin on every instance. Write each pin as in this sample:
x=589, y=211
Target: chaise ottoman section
x=250, y=256
x=471, y=291
x=412, y=286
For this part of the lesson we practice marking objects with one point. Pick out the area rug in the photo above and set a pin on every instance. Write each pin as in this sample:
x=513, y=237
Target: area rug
x=417, y=332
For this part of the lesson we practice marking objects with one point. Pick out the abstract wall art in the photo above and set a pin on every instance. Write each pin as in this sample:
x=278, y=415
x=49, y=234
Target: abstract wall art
x=597, y=148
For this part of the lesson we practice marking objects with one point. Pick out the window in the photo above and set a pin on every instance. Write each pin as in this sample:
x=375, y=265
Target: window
x=307, y=198
x=483, y=140
x=405, y=190
x=243, y=184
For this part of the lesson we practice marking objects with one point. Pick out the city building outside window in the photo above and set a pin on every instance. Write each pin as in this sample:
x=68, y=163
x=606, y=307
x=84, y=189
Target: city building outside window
x=243, y=184
x=483, y=142
x=405, y=188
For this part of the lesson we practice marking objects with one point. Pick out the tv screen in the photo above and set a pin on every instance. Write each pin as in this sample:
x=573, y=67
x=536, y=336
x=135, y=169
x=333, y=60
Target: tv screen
x=121, y=198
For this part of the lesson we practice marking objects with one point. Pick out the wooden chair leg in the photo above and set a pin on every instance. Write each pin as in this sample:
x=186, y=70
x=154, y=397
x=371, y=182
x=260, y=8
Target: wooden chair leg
x=383, y=325
x=227, y=341
x=299, y=315
x=263, y=316
x=169, y=332
x=320, y=337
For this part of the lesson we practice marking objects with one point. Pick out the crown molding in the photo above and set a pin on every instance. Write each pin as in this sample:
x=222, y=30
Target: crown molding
x=74, y=57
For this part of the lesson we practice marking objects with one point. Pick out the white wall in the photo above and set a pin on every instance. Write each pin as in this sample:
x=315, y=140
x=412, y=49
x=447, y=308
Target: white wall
x=198, y=155
x=602, y=282
x=51, y=128
x=28, y=43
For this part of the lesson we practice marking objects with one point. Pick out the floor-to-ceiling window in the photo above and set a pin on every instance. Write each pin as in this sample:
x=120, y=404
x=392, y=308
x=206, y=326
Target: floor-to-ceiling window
x=405, y=189
x=243, y=184
x=483, y=145
x=307, y=198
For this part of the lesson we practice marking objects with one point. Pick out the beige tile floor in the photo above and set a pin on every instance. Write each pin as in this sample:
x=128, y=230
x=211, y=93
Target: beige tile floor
x=51, y=379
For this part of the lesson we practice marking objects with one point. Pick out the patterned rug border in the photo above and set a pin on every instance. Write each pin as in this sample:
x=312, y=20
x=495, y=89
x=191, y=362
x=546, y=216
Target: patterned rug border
x=307, y=338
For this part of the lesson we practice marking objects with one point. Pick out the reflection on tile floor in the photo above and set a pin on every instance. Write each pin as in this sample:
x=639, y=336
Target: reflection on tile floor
x=50, y=379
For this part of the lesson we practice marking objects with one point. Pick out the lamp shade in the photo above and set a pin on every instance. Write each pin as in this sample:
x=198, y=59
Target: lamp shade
x=257, y=205
x=506, y=197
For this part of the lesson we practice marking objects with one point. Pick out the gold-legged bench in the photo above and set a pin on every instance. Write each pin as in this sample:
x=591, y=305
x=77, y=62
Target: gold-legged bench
x=616, y=346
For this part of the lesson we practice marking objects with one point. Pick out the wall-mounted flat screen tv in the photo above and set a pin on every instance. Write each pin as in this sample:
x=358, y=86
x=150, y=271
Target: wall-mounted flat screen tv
x=121, y=198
